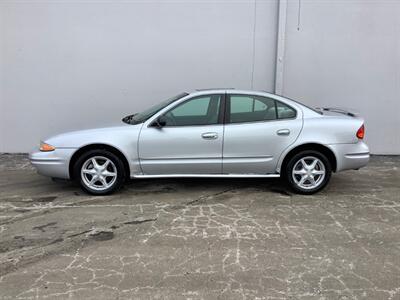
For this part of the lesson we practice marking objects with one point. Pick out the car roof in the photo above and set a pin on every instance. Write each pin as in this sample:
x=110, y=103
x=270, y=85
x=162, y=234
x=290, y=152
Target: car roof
x=289, y=101
x=230, y=91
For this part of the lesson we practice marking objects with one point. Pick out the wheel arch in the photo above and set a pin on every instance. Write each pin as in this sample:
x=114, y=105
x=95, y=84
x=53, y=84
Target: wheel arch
x=98, y=146
x=330, y=155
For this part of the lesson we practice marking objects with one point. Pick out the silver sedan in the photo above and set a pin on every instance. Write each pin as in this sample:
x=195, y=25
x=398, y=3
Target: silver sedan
x=211, y=133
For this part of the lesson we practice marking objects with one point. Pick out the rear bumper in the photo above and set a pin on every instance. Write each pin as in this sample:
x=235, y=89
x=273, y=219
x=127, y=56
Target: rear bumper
x=350, y=156
x=53, y=164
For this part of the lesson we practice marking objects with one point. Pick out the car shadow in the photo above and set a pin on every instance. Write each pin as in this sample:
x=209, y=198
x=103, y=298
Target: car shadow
x=275, y=185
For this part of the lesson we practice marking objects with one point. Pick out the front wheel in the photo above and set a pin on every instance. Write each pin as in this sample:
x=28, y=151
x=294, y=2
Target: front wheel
x=99, y=172
x=308, y=172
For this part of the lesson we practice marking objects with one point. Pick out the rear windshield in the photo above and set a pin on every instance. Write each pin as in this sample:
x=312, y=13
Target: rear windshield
x=313, y=109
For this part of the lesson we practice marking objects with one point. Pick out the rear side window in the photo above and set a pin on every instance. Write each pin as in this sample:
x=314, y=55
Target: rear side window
x=285, y=111
x=245, y=108
x=248, y=108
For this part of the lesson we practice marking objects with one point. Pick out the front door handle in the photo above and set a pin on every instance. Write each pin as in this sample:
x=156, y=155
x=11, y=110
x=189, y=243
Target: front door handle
x=209, y=135
x=283, y=132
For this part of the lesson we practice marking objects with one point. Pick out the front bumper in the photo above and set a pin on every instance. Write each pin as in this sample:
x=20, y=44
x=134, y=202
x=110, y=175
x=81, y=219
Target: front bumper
x=53, y=164
x=350, y=156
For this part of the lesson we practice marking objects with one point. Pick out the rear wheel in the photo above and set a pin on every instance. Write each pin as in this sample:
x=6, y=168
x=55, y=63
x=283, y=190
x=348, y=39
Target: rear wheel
x=99, y=172
x=308, y=172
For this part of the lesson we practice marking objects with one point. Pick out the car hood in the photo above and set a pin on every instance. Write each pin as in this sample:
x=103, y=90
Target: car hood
x=107, y=135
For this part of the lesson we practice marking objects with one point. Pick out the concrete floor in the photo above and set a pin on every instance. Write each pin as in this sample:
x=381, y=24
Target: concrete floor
x=211, y=239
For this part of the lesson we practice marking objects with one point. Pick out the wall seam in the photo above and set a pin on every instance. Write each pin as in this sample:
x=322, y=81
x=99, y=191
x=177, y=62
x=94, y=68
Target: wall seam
x=280, y=46
x=254, y=44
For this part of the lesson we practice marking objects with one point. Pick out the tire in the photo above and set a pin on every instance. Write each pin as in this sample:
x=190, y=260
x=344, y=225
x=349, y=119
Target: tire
x=99, y=172
x=302, y=177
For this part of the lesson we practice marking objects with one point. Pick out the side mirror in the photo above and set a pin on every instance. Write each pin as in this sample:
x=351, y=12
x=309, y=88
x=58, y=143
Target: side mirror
x=159, y=122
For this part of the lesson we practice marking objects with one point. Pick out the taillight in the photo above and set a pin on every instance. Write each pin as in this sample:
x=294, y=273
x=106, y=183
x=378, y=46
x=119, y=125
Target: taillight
x=361, y=132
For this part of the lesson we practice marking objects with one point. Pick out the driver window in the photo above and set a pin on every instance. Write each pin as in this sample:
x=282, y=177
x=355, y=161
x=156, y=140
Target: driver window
x=201, y=110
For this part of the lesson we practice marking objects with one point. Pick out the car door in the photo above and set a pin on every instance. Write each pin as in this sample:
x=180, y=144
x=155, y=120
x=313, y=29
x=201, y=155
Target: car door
x=257, y=131
x=190, y=142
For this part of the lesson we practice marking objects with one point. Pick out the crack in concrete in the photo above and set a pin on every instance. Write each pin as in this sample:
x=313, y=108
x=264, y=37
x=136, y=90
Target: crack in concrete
x=42, y=227
x=139, y=221
x=254, y=243
x=205, y=197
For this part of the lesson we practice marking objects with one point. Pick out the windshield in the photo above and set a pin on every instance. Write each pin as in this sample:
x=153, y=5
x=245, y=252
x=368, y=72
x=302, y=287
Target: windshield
x=144, y=115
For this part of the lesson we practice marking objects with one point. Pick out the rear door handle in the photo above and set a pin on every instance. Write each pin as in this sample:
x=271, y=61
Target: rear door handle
x=209, y=135
x=283, y=132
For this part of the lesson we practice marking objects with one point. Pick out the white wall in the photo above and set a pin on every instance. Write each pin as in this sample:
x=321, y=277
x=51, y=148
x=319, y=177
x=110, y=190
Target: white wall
x=347, y=54
x=77, y=64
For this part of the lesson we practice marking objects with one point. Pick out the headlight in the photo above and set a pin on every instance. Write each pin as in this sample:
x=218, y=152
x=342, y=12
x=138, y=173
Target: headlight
x=46, y=147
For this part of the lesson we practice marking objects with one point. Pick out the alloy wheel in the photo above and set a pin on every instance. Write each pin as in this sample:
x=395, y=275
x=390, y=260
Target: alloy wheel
x=98, y=173
x=308, y=172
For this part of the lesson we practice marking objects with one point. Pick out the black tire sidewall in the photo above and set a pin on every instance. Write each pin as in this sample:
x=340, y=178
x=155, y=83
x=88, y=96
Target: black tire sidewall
x=296, y=158
x=101, y=152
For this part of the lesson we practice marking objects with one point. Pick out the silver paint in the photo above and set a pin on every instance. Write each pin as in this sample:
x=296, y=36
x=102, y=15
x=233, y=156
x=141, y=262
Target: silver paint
x=246, y=149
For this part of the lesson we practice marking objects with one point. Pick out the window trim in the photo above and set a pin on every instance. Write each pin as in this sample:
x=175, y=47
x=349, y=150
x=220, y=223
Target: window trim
x=228, y=108
x=220, y=116
x=222, y=107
